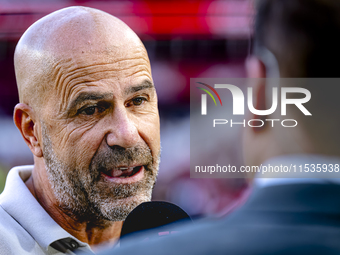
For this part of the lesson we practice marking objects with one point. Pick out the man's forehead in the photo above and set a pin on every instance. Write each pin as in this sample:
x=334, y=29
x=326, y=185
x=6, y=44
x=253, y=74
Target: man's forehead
x=93, y=42
x=76, y=34
x=76, y=43
x=104, y=73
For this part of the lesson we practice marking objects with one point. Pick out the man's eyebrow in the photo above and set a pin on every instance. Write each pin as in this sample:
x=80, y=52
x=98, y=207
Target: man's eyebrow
x=144, y=85
x=86, y=96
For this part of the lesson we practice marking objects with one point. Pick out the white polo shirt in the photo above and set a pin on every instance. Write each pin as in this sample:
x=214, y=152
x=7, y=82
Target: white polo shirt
x=25, y=227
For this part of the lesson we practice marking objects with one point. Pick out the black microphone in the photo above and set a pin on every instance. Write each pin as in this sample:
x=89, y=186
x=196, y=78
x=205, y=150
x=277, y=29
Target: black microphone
x=151, y=215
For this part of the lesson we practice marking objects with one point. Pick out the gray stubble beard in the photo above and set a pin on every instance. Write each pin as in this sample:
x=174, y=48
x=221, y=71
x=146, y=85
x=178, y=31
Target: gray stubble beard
x=84, y=195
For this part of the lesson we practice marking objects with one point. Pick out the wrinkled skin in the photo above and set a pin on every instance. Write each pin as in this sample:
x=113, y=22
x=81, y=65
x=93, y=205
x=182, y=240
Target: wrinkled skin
x=87, y=105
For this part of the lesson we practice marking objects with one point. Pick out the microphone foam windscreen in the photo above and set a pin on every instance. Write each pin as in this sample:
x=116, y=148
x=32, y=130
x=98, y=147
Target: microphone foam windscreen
x=153, y=214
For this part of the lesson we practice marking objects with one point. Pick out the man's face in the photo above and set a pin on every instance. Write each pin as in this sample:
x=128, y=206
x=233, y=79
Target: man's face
x=100, y=127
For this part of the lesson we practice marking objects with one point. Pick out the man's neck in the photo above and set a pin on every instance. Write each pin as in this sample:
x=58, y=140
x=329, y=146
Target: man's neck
x=89, y=232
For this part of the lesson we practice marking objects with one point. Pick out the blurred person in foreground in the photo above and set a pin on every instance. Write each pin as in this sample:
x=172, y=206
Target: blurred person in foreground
x=88, y=112
x=294, y=38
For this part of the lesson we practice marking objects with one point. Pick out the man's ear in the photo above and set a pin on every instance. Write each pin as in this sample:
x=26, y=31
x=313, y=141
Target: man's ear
x=25, y=121
x=257, y=70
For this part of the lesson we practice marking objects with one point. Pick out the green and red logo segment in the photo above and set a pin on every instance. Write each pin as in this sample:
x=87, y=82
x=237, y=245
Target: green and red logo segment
x=208, y=92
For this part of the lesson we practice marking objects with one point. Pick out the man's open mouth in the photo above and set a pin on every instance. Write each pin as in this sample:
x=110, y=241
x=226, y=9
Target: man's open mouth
x=123, y=172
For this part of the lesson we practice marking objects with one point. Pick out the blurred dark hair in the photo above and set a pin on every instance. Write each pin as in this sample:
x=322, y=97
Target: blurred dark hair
x=303, y=35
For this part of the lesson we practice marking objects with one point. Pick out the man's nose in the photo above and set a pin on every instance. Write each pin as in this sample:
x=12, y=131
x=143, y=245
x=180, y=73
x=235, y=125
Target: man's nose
x=123, y=131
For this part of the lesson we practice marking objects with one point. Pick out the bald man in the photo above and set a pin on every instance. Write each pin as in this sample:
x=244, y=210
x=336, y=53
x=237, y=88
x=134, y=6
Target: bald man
x=88, y=112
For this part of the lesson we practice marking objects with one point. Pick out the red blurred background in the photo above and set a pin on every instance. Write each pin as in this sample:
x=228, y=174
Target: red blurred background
x=184, y=39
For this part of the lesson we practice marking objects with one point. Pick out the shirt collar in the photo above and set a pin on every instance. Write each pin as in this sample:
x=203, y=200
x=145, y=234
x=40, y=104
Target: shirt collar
x=17, y=201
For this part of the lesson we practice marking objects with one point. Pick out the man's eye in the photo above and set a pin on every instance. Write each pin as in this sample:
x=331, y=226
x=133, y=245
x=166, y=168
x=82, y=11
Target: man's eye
x=89, y=110
x=92, y=110
x=138, y=100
